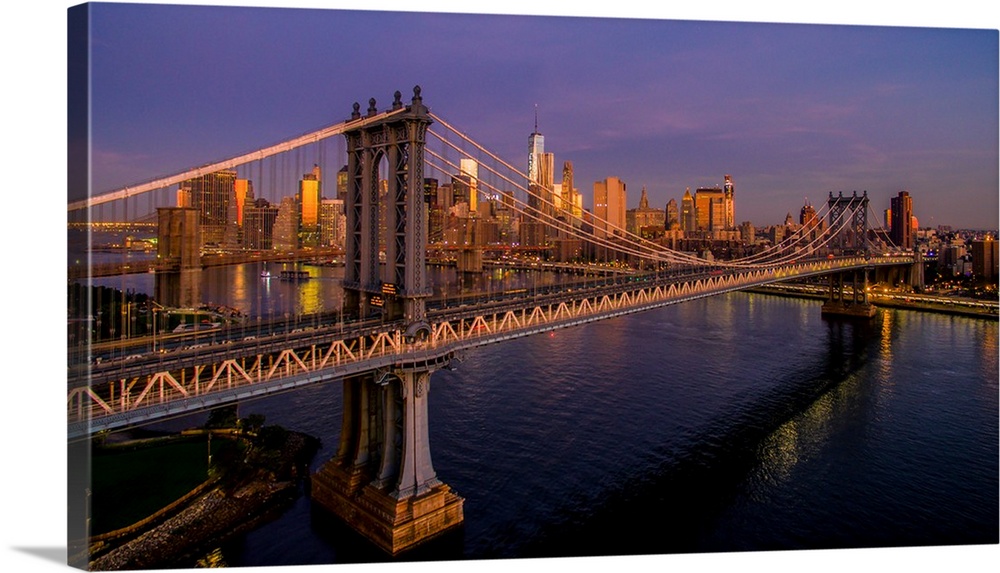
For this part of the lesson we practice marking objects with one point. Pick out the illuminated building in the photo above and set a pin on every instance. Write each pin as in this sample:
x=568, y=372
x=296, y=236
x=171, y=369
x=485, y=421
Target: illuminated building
x=309, y=198
x=430, y=191
x=729, y=199
x=644, y=217
x=258, y=225
x=609, y=207
x=244, y=195
x=689, y=219
x=984, y=259
x=901, y=216
x=570, y=198
x=807, y=217
x=286, y=226
x=465, y=185
x=213, y=195
x=536, y=147
x=332, y=223
x=710, y=208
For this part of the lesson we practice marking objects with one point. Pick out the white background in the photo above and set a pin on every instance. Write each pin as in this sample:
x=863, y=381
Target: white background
x=32, y=360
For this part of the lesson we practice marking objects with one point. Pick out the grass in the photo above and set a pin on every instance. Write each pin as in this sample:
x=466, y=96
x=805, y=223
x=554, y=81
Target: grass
x=131, y=483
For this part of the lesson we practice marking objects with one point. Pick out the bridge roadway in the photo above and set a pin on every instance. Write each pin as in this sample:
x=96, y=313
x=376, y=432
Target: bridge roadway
x=157, y=386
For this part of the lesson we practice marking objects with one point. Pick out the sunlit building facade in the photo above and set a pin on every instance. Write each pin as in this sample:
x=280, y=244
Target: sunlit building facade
x=901, y=216
x=213, y=195
x=609, y=207
x=310, y=196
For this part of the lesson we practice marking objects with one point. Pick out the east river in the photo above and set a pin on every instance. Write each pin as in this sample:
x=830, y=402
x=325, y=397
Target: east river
x=741, y=422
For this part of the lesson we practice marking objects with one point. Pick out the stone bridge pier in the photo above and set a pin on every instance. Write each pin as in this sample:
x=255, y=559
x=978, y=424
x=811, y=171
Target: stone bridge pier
x=381, y=481
x=838, y=303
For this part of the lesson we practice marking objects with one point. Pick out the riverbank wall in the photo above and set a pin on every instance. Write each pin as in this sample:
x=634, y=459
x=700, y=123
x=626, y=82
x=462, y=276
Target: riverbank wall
x=943, y=307
x=225, y=506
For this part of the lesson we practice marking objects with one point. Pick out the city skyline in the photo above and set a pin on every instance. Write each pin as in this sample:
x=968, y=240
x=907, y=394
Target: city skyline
x=791, y=111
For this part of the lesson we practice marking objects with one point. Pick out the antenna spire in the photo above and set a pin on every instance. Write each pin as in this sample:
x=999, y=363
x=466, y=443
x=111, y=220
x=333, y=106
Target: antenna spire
x=536, y=118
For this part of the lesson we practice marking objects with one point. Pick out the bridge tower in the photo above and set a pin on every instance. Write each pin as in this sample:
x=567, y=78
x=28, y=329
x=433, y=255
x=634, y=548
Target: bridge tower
x=178, y=273
x=853, y=238
x=382, y=481
x=400, y=288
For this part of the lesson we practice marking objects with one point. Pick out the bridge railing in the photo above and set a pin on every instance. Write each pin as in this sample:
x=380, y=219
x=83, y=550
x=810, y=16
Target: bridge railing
x=450, y=332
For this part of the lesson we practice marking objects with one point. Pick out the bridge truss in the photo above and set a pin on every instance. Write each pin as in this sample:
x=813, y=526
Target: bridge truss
x=382, y=480
x=100, y=400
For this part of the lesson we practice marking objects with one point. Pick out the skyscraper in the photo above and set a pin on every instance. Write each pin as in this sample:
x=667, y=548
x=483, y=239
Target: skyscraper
x=535, y=226
x=258, y=225
x=214, y=196
x=901, y=214
x=465, y=185
x=541, y=176
x=244, y=198
x=286, y=226
x=807, y=216
x=309, y=198
x=710, y=208
x=571, y=198
x=673, y=216
x=332, y=223
x=729, y=190
x=609, y=207
x=689, y=217
x=342, y=184
x=536, y=147
x=985, y=260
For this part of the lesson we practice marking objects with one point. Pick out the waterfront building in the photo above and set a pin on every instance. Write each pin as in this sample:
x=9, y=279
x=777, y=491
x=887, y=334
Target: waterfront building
x=985, y=260
x=213, y=195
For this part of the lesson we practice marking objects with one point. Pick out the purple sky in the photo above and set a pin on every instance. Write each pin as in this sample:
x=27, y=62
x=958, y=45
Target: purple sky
x=791, y=111
x=912, y=131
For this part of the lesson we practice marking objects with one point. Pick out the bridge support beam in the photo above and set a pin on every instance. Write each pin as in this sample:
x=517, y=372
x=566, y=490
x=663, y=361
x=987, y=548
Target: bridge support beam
x=382, y=482
x=178, y=278
x=857, y=305
x=469, y=260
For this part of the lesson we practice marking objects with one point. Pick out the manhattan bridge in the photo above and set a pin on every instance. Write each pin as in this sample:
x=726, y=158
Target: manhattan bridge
x=392, y=335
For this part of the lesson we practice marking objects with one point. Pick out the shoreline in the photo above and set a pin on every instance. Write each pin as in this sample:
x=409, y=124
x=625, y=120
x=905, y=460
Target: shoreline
x=212, y=513
x=879, y=301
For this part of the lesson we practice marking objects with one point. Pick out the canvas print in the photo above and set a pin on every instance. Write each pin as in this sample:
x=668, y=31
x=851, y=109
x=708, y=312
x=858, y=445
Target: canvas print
x=352, y=286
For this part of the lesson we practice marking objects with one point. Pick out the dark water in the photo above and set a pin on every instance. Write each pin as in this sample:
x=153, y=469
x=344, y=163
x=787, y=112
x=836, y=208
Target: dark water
x=741, y=422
